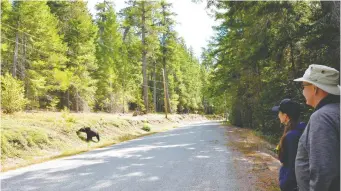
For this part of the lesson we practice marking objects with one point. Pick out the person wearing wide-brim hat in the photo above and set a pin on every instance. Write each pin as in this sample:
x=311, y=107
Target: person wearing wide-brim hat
x=288, y=113
x=317, y=163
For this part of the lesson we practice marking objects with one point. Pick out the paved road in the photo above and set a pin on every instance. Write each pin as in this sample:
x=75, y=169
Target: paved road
x=193, y=157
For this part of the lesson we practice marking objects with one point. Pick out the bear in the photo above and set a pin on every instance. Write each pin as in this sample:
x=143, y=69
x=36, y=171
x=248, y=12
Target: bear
x=89, y=133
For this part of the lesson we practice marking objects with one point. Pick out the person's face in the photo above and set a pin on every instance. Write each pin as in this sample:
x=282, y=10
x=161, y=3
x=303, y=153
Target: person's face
x=283, y=117
x=308, y=93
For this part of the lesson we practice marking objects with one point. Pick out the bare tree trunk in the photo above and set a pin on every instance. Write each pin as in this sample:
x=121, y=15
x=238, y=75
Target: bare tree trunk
x=165, y=91
x=111, y=97
x=23, y=63
x=144, y=59
x=164, y=51
x=166, y=80
x=68, y=99
x=77, y=105
x=126, y=29
x=124, y=88
x=15, y=59
x=154, y=93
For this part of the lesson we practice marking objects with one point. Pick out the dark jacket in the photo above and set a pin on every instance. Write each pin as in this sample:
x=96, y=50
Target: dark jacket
x=318, y=155
x=287, y=179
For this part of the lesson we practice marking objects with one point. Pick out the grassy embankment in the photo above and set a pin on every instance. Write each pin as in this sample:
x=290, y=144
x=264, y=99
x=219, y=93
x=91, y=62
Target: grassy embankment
x=28, y=138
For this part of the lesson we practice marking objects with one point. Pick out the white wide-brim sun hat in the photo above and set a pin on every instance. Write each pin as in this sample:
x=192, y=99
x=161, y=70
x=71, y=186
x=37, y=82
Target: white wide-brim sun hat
x=323, y=77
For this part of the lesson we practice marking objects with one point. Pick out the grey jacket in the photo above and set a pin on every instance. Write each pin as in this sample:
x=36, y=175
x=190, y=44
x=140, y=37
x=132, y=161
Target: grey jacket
x=317, y=164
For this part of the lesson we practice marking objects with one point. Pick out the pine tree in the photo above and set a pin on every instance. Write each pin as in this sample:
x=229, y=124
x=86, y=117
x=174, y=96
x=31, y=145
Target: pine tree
x=79, y=33
x=37, y=50
x=111, y=73
x=142, y=14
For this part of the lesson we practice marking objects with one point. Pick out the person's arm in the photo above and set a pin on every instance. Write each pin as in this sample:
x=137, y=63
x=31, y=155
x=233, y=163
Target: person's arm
x=289, y=155
x=291, y=149
x=323, y=153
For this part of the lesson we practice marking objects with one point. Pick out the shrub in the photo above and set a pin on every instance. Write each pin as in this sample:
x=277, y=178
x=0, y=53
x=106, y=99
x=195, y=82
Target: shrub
x=12, y=94
x=146, y=127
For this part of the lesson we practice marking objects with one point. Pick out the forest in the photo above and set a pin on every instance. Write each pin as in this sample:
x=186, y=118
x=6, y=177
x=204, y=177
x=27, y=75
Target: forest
x=55, y=55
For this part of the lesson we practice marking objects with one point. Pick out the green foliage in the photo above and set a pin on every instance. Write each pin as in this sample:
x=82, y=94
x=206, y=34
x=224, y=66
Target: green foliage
x=12, y=94
x=68, y=59
x=80, y=34
x=260, y=47
x=6, y=32
x=113, y=66
x=44, y=56
x=146, y=127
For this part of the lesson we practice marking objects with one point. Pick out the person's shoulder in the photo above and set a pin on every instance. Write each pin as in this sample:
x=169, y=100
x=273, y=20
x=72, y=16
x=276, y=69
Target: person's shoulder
x=332, y=109
x=332, y=106
x=291, y=135
x=325, y=118
x=301, y=125
x=296, y=133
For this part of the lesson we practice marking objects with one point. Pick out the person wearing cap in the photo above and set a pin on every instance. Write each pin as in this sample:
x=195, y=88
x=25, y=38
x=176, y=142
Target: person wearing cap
x=288, y=114
x=317, y=163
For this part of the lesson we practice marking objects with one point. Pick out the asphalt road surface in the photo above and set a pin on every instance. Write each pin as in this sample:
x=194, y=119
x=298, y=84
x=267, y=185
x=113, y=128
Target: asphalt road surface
x=193, y=157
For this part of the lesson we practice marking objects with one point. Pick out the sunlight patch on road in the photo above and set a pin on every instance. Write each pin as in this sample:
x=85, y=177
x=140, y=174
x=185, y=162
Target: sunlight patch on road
x=133, y=174
x=51, y=167
x=127, y=152
x=101, y=185
x=151, y=179
x=204, y=151
x=147, y=158
x=123, y=167
x=137, y=164
x=84, y=174
x=202, y=157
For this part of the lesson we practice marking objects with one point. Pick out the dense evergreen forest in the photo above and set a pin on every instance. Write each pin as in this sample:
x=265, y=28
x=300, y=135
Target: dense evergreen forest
x=59, y=56
x=56, y=55
x=260, y=48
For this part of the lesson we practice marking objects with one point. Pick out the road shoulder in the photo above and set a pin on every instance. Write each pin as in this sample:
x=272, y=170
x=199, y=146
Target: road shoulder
x=254, y=160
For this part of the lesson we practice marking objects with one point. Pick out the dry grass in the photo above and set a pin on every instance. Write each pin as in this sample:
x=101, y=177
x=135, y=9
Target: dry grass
x=257, y=153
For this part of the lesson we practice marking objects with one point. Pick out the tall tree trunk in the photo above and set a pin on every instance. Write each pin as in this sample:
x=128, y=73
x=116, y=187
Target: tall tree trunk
x=154, y=92
x=77, y=104
x=144, y=59
x=15, y=59
x=68, y=99
x=111, y=97
x=23, y=63
x=126, y=29
x=123, y=99
x=166, y=79
x=164, y=51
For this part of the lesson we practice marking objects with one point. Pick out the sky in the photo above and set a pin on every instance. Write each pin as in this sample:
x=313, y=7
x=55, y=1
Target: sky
x=194, y=24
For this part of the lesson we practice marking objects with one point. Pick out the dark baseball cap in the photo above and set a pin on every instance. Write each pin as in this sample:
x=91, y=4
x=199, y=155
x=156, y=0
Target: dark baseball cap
x=291, y=108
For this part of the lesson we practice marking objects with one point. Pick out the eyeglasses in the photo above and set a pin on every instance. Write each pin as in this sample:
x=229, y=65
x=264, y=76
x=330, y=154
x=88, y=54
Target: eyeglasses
x=304, y=85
